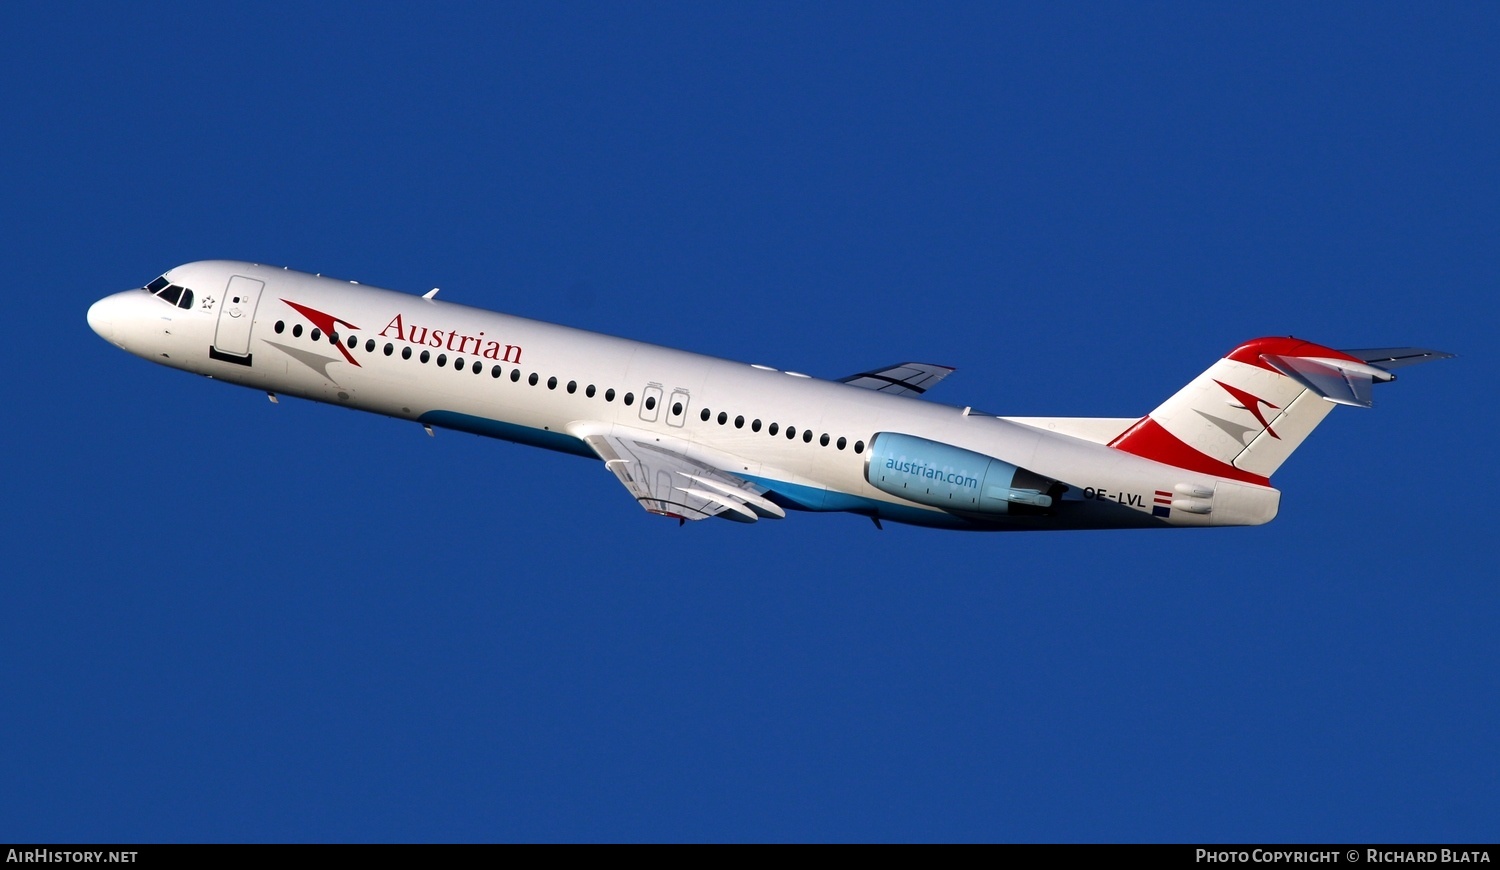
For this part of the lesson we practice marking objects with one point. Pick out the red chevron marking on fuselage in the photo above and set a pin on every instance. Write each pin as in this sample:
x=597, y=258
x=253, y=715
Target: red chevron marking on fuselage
x=326, y=322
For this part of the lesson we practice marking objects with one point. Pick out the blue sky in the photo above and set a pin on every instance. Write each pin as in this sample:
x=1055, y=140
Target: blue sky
x=228, y=620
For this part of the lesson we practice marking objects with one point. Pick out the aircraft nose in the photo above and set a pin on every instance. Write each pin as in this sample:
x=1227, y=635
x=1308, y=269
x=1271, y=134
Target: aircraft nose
x=112, y=315
x=101, y=318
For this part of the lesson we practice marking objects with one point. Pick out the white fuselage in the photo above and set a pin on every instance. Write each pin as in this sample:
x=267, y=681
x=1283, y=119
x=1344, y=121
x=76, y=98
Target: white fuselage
x=551, y=386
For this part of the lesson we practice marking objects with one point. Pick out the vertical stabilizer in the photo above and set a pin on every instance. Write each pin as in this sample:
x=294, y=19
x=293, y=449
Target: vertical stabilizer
x=1244, y=416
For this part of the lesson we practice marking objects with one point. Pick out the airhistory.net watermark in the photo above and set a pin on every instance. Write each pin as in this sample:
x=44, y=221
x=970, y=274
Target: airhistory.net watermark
x=67, y=856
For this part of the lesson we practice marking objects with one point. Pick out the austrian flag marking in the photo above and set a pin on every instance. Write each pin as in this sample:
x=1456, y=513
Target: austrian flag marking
x=1161, y=506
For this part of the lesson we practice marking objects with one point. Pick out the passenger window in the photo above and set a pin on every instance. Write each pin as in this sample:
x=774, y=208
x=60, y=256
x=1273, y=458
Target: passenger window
x=533, y=379
x=859, y=447
x=426, y=355
x=515, y=376
x=723, y=418
x=807, y=436
x=280, y=325
x=676, y=409
x=316, y=334
x=791, y=432
x=824, y=440
x=552, y=383
x=650, y=403
x=458, y=363
x=389, y=348
x=369, y=345
x=739, y=422
x=772, y=428
x=590, y=391
x=629, y=398
x=705, y=414
x=478, y=367
x=755, y=425
x=296, y=330
x=840, y=444
x=609, y=394
x=572, y=387
x=495, y=372
x=442, y=360
x=406, y=353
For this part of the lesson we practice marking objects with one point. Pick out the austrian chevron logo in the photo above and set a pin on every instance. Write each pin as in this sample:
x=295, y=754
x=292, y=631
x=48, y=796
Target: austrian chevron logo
x=328, y=324
x=1251, y=403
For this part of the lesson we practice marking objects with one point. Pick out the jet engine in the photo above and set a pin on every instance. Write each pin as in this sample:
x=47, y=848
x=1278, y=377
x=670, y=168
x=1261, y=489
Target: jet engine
x=955, y=479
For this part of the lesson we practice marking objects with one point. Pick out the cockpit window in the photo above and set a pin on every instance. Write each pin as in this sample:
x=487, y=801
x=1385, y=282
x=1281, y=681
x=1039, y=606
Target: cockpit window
x=182, y=297
x=155, y=286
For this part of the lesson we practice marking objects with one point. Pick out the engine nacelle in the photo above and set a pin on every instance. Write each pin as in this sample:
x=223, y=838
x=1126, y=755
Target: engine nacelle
x=952, y=478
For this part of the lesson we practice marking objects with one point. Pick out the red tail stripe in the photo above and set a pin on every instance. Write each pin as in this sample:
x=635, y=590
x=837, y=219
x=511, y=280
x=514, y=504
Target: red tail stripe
x=1149, y=440
x=1250, y=352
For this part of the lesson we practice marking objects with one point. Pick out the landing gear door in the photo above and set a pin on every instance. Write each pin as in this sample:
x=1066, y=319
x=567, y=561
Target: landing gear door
x=236, y=314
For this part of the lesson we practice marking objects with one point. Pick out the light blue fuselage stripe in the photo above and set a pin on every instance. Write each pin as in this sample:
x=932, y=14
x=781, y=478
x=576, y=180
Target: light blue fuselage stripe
x=559, y=441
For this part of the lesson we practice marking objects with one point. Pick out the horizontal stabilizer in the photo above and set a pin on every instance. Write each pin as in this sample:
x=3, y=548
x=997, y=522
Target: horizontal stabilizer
x=1341, y=381
x=900, y=379
x=1396, y=357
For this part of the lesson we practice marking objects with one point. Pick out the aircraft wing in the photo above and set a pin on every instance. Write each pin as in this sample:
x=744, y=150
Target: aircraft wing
x=900, y=379
x=666, y=481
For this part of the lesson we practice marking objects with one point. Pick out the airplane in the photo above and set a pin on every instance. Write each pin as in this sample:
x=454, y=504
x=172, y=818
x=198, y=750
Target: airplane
x=692, y=436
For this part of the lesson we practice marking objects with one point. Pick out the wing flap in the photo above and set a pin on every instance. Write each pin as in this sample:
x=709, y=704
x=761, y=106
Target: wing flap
x=657, y=472
x=742, y=494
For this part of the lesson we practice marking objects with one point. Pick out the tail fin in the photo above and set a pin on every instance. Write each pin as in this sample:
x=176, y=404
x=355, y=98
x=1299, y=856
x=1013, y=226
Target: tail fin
x=1244, y=416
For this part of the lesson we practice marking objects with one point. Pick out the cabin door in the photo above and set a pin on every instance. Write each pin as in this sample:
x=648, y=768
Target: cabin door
x=236, y=314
